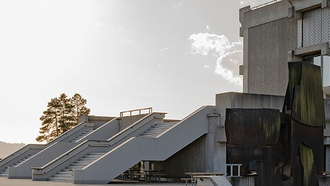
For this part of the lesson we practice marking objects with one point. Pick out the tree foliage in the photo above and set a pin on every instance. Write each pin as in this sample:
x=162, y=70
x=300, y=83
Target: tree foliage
x=61, y=115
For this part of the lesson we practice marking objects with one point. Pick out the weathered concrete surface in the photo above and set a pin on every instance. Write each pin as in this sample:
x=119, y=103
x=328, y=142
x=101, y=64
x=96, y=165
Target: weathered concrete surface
x=268, y=46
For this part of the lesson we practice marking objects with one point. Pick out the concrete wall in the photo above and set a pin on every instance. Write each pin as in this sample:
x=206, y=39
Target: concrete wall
x=268, y=47
x=128, y=120
x=104, y=132
x=99, y=120
x=208, y=153
x=244, y=100
x=190, y=159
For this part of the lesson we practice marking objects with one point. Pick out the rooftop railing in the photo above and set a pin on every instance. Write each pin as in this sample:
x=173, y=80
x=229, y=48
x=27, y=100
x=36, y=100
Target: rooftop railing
x=136, y=112
x=265, y=4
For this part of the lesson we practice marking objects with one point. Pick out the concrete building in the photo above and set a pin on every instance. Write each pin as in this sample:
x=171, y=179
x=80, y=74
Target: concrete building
x=279, y=32
x=100, y=149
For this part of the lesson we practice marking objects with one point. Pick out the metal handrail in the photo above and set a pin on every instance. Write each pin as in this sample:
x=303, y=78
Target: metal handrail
x=265, y=4
x=136, y=110
x=232, y=170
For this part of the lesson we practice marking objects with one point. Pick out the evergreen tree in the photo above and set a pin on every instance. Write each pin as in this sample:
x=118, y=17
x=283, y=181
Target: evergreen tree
x=61, y=115
x=79, y=108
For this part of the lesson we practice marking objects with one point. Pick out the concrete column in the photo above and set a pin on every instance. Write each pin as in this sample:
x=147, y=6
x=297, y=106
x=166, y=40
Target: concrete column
x=327, y=158
x=215, y=151
x=325, y=4
x=246, y=61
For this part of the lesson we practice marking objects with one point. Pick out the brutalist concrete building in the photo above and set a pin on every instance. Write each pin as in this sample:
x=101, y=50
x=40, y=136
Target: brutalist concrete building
x=280, y=32
x=101, y=149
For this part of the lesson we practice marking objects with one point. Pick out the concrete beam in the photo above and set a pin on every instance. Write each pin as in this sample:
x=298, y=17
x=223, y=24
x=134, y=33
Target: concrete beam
x=322, y=48
x=325, y=4
x=292, y=57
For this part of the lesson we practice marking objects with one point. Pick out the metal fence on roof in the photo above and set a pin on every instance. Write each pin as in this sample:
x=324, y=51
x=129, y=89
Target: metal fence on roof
x=265, y=4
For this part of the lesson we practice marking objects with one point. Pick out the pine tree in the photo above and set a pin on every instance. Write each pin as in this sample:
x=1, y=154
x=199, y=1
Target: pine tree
x=50, y=121
x=79, y=106
x=66, y=121
x=61, y=115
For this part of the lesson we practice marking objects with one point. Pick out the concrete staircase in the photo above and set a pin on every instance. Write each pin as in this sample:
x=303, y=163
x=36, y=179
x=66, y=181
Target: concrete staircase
x=157, y=129
x=4, y=173
x=82, y=135
x=66, y=174
x=156, y=143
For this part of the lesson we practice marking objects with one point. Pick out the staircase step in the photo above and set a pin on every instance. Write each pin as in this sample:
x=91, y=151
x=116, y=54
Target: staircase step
x=157, y=129
x=66, y=174
x=75, y=167
x=82, y=135
x=61, y=179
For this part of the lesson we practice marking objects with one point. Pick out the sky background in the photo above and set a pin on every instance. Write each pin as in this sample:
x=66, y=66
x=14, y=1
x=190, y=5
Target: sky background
x=172, y=55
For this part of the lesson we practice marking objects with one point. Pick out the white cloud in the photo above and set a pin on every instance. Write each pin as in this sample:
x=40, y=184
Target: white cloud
x=229, y=54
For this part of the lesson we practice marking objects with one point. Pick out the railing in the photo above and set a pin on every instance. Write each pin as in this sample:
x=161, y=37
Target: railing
x=68, y=155
x=183, y=120
x=88, y=143
x=68, y=133
x=136, y=112
x=265, y=4
x=20, y=152
x=232, y=166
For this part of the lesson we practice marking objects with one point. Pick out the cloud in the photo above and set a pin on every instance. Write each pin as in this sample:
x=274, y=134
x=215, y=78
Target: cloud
x=229, y=54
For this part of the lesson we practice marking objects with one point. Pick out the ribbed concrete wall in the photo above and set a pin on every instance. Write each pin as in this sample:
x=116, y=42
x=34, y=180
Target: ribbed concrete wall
x=268, y=46
x=190, y=159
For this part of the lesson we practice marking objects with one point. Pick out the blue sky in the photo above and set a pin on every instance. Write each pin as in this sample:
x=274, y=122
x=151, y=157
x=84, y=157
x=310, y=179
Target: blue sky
x=172, y=55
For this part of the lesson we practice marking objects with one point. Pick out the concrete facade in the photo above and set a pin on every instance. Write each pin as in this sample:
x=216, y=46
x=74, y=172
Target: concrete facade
x=281, y=32
x=277, y=33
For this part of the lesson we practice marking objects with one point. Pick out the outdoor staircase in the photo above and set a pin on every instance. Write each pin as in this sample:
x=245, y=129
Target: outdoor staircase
x=157, y=142
x=157, y=129
x=66, y=174
x=4, y=173
x=82, y=135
